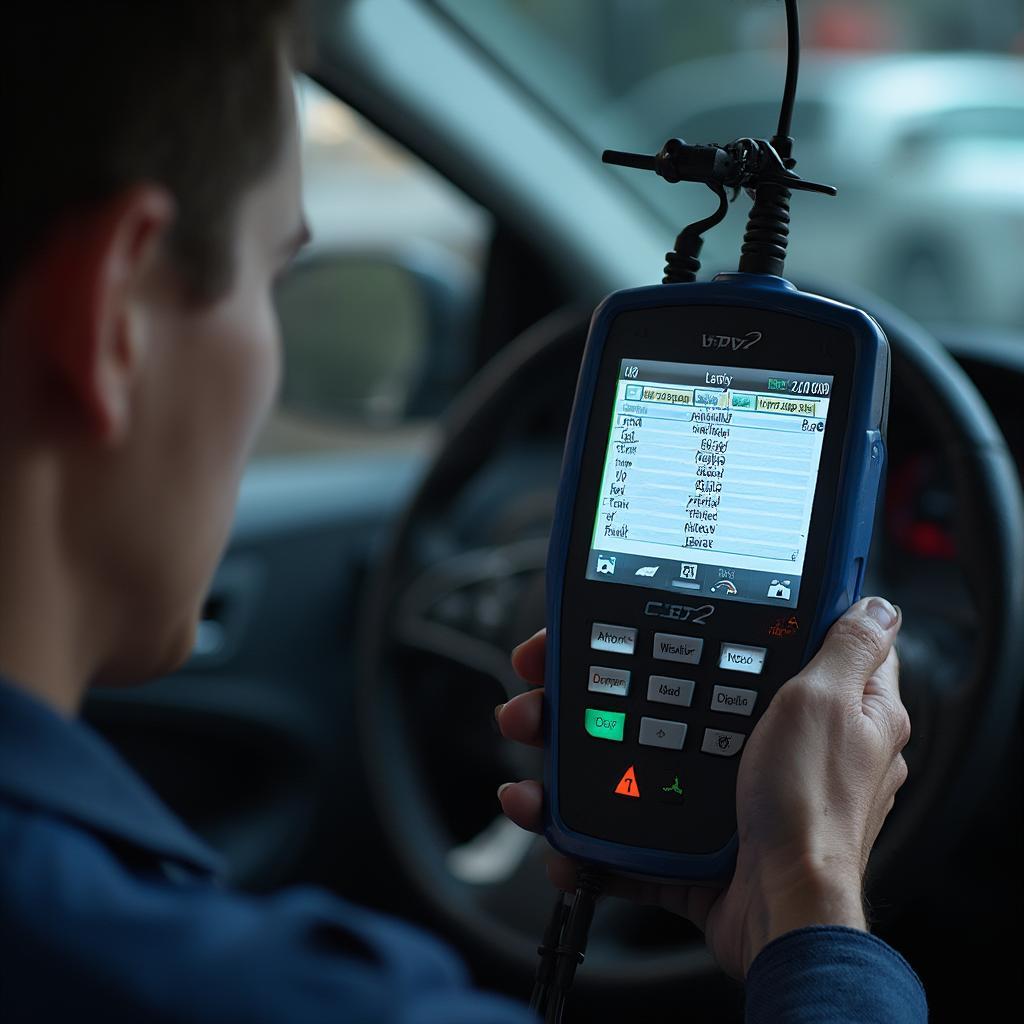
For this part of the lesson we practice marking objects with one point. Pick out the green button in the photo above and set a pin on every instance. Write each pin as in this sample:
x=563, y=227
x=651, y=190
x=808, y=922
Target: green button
x=606, y=725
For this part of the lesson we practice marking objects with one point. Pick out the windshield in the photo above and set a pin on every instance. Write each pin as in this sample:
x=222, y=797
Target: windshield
x=914, y=109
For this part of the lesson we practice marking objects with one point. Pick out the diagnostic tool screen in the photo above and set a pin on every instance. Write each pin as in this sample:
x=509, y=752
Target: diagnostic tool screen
x=709, y=480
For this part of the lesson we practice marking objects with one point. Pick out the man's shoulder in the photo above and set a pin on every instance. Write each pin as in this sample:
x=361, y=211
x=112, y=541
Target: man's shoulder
x=50, y=862
x=129, y=944
x=72, y=906
x=102, y=887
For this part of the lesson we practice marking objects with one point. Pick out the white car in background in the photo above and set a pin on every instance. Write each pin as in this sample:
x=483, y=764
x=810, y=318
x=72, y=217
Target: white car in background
x=927, y=152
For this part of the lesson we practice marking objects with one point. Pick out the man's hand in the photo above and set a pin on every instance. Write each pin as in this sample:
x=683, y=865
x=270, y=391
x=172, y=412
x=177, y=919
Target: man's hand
x=817, y=779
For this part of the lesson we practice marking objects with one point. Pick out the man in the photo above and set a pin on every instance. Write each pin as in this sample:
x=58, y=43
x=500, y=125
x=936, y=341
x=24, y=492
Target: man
x=150, y=196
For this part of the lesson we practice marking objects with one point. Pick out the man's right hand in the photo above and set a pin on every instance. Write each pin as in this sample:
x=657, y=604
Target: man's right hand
x=816, y=781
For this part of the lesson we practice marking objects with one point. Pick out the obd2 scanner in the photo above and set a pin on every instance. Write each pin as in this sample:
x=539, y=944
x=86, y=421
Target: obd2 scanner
x=714, y=517
x=718, y=491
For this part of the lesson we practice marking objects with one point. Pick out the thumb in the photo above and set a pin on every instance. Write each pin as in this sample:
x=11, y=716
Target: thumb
x=857, y=645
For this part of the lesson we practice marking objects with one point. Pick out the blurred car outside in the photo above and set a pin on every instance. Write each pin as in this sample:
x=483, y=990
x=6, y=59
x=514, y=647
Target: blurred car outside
x=927, y=151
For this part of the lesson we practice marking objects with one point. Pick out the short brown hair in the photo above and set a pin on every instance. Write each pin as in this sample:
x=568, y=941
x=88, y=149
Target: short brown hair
x=97, y=95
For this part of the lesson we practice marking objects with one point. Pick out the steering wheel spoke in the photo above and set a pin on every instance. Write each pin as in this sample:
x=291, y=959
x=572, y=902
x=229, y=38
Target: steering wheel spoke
x=459, y=608
x=494, y=855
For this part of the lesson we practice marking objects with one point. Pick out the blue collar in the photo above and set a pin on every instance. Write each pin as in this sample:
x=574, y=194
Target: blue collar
x=63, y=768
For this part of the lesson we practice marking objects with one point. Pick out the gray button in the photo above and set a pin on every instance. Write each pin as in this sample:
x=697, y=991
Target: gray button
x=733, y=701
x=617, y=639
x=666, y=690
x=687, y=649
x=609, y=680
x=656, y=732
x=724, y=744
x=740, y=658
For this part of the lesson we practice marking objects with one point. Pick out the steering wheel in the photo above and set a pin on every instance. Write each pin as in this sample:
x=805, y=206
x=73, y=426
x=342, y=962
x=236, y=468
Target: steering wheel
x=462, y=582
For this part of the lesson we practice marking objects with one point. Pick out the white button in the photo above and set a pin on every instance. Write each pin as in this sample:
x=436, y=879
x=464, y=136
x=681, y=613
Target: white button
x=733, y=701
x=724, y=744
x=614, y=639
x=656, y=732
x=609, y=680
x=739, y=658
x=667, y=690
x=687, y=649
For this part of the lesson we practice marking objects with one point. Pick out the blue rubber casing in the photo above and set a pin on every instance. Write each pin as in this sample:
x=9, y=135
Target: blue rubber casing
x=859, y=484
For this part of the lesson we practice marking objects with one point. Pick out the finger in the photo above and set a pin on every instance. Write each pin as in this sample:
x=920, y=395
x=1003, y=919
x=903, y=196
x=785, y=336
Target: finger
x=521, y=718
x=522, y=803
x=887, y=679
x=528, y=658
x=856, y=646
x=881, y=702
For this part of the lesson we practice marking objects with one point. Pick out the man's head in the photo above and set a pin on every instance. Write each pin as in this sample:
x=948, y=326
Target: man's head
x=150, y=194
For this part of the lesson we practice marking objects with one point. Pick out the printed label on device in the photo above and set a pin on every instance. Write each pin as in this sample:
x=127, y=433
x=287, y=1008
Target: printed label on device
x=733, y=701
x=612, y=639
x=740, y=658
x=605, y=725
x=667, y=690
x=669, y=647
x=609, y=680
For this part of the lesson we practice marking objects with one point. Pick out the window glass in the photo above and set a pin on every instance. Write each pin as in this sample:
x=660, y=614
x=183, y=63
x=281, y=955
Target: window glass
x=376, y=314
x=914, y=109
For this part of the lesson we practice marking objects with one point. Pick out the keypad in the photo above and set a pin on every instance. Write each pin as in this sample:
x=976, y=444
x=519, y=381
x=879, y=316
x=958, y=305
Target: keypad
x=669, y=647
x=677, y=697
x=721, y=743
x=741, y=658
x=605, y=725
x=612, y=639
x=609, y=680
x=669, y=690
x=657, y=732
x=732, y=701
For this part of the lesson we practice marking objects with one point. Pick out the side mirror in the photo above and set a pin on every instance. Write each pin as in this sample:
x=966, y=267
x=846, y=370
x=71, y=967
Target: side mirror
x=374, y=337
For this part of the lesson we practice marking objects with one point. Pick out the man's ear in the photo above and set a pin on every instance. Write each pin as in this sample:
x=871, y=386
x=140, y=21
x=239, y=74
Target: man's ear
x=79, y=301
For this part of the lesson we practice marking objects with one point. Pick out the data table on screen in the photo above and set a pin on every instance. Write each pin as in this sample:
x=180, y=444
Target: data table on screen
x=714, y=467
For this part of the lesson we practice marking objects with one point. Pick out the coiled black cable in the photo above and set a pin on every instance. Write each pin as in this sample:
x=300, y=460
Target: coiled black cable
x=682, y=263
x=767, y=233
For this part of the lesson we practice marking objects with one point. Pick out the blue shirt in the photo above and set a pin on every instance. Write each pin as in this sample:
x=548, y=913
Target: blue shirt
x=110, y=909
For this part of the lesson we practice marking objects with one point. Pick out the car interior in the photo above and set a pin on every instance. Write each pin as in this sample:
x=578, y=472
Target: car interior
x=334, y=725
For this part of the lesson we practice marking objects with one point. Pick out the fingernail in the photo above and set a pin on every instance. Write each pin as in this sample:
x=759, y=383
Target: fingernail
x=503, y=787
x=882, y=612
x=497, y=711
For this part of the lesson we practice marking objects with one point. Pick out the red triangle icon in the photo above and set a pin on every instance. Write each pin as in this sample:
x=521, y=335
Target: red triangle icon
x=627, y=784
